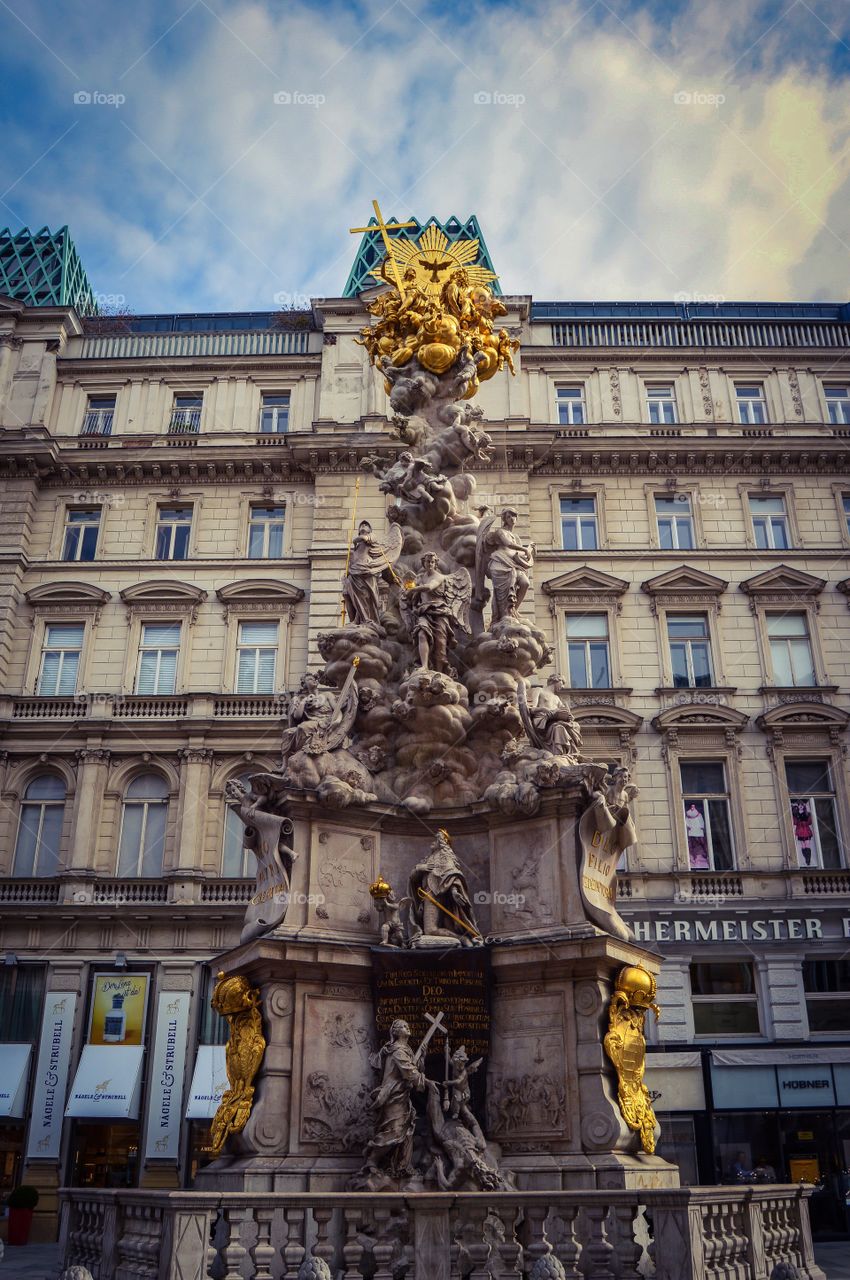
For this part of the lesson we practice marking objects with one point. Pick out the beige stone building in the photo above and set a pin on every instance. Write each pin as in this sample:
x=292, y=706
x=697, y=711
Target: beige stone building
x=176, y=505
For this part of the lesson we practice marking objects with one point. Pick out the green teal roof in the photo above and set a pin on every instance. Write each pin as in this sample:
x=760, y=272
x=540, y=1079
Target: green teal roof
x=371, y=249
x=43, y=269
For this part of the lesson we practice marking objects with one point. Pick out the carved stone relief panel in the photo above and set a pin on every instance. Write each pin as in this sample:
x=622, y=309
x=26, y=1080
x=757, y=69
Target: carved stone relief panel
x=527, y=1081
x=336, y=1077
x=525, y=880
x=344, y=862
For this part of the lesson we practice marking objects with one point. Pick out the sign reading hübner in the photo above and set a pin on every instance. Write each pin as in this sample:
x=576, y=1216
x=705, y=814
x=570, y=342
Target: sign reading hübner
x=162, y=1138
x=51, y=1075
x=411, y=984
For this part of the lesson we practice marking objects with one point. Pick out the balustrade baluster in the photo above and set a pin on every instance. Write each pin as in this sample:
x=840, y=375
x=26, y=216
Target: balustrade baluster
x=234, y=1252
x=293, y=1252
x=599, y=1249
x=478, y=1247
x=353, y=1250
x=262, y=1251
x=384, y=1243
x=627, y=1251
x=567, y=1247
x=508, y=1249
x=323, y=1248
x=535, y=1244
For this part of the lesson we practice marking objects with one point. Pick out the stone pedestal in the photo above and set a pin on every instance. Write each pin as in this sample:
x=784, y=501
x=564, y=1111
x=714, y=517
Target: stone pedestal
x=551, y=1091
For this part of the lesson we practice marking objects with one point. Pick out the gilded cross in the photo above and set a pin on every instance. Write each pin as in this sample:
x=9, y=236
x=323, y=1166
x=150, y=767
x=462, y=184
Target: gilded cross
x=383, y=228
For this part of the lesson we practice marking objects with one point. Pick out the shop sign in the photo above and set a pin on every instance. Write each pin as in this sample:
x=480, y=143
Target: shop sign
x=119, y=1004
x=168, y=1066
x=805, y=1087
x=738, y=929
x=107, y=1085
x=209, y=1082
x=51, y=1075
x=14, y=1072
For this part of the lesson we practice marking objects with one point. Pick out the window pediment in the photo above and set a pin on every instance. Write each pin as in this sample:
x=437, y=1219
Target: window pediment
x=700, y=718
x=804, y=716
x=584, y=584
x=163, y=595
x=259, y=589
x=685, y=582
x=783, y=581
x=66, y=595
x=605, y=716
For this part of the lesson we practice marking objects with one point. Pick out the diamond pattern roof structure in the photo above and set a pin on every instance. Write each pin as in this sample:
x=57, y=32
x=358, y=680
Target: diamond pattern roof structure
x=371, y=250
x=43, y=269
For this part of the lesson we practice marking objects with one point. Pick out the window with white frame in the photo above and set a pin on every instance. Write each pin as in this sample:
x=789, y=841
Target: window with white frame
x=274, y=413
x=256, y=657
x=265, y=532
x=99, y=416
x=752, y=407
x=675, y=521
x=40, y=827
x=813, y=816
x=186, y=414
x=770, y=521
x=570, y=403
x=838, y=402
x=708, y=826
x=826, y=983
x=790, y=649
x=159, y=648
x=587, y=650
x=173, y=526
x=578, y=524
x=82, y=526
x=143, y=816
x=661, y=402
x=690, y=650
x=725, y=998
x=60, y=659
x=236, y=861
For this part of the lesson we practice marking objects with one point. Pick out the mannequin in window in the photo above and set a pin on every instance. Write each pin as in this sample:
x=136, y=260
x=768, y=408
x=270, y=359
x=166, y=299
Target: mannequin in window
x=697, y=844
x=803, y=830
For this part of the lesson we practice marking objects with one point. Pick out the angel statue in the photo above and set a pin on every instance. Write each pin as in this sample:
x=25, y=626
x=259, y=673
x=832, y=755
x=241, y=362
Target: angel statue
x=310, y=712
x=368, y=560
x=548, y=721
x=506, y=561
x=319, y=758
x=434, y=607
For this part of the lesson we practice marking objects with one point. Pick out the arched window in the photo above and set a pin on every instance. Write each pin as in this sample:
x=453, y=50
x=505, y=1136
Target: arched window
x=40, y=829
x=236, y=860
x=143, y=815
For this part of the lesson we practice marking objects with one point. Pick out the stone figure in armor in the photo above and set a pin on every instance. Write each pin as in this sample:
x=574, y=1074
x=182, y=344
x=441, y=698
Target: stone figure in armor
x=441, y=908
x=433, y=607
x=368, y=562
x=508, y=562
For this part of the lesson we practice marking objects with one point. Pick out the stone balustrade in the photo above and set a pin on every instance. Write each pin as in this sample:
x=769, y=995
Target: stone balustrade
x=714, y=1233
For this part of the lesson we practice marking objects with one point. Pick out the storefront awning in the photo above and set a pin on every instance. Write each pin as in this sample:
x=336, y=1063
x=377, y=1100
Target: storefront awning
x=675, y=1081
x=208, y=1082
x=14, y=1072
x=777, y=1057
x=108, y=1083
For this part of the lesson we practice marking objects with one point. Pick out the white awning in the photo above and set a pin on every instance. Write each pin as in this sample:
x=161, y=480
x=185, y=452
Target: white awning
x=675, y=1081
x=14, y=1072
x=777, y=1057
x=108, y=1083
x=208, y=1082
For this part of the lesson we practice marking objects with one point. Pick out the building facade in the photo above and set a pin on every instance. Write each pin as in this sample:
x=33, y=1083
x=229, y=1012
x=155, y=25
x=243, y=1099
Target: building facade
x=177, y=502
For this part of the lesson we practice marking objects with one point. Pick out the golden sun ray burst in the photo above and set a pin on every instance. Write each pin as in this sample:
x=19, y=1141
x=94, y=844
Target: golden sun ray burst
x=434, y=259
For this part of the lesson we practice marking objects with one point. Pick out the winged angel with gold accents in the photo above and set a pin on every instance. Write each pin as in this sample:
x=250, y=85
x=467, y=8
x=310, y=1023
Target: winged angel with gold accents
x=438, y=305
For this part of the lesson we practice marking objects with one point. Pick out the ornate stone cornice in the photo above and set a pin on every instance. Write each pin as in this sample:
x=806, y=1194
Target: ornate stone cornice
x=775, y=586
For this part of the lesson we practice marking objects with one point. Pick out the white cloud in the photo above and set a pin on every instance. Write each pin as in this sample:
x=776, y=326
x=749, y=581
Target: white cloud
x=598, y=185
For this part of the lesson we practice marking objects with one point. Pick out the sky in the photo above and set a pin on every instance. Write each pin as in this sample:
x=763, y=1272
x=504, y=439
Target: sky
x=212, y=154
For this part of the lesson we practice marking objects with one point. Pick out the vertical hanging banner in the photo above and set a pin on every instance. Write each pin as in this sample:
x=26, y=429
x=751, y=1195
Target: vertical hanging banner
x=51, y=1075
x=168, y=1067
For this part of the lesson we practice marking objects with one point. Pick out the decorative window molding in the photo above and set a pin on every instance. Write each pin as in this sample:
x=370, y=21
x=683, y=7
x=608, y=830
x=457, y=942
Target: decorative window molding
x=782, y=585
x=575, y=490
x=790, y=590
x=688, y=590
x=814, y=741
x=806, y=721
x=252, y=598
x=769, y=489
x=162, y=596
x=671, y=488
x=684, y=585
x=79, y=598
x=586, y=590
x=607, y=730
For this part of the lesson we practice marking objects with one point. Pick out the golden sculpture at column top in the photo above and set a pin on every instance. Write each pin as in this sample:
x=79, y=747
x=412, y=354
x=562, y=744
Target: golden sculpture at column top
x=625, y=1043
x=237, y=1001
x=439, y=304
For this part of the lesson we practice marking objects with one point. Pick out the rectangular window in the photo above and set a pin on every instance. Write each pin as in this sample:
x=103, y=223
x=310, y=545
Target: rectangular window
x=60, y=659
x=751, y=403
x=256, y=657
x=724, y=999
x=274, y=413
x=813, y=814
x=265, y=532
x=578, y=524
x=707, y=823
x=82, y=525
x=570, y=402
x=99, y=415
x=587, y=650
x=173, y=526
x=21, y=1000
x=690, y=650
x=661, y=402
x=675, y=521
x=158, y=651
x=790, y=649
x=186, y=415
x=845, y=502
x=770, y=522
x=827, y=987
x=838, y=403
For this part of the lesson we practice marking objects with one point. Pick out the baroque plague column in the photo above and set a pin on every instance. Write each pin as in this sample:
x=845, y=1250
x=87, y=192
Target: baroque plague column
x=422, y=992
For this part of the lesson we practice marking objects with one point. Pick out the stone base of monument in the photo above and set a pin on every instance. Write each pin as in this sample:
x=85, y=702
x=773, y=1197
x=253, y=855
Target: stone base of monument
x=532, y=1002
